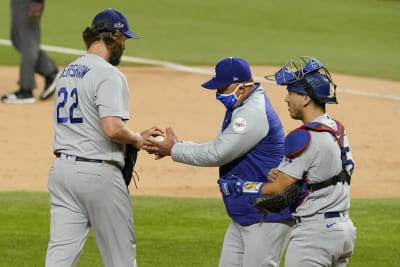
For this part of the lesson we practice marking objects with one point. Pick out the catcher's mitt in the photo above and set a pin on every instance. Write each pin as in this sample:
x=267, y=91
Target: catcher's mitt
x=130, y=160
x=276, y=203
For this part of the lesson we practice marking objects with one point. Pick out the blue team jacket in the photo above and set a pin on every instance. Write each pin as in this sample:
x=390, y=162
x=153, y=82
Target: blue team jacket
x=254, y=166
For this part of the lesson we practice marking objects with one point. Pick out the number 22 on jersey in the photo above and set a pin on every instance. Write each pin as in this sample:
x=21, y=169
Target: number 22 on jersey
x=67, y=103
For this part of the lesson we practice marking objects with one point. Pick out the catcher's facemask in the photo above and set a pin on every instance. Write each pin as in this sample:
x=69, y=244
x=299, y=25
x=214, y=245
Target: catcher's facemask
x=291, y=73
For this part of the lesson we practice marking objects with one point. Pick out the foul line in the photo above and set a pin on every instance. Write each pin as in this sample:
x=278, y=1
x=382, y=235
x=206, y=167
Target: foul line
x=179, y=67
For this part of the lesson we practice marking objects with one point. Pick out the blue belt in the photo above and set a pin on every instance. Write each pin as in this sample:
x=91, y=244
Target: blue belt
x=332, y=214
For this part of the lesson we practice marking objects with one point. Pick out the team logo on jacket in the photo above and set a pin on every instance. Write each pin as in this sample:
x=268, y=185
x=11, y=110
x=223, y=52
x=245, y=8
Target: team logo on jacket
x=239, y=124
x=251, y=187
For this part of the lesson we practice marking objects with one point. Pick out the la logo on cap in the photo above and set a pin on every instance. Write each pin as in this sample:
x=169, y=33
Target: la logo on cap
x=118, y=25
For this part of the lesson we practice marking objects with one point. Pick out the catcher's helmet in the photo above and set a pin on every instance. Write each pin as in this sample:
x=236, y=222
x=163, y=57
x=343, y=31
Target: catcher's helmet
x=317, y=86
x=306, y=79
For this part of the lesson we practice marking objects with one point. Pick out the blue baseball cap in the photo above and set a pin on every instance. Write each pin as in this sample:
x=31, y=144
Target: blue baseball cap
x=227, y=71
x=113, y=21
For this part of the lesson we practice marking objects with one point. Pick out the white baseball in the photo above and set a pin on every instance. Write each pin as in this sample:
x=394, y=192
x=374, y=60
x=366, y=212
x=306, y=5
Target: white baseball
x=159, y=138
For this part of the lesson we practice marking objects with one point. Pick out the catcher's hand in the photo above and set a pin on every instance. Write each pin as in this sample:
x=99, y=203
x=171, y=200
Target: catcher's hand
x=130, y=160
x=276, y=203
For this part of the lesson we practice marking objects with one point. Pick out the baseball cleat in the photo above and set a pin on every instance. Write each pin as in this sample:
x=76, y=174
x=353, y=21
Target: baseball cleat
x=19, y=97
x=50, y=86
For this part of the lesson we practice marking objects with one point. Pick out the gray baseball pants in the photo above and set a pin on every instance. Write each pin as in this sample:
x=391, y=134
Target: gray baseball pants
x=87, y=195
x=257, y=245
x=320, y=242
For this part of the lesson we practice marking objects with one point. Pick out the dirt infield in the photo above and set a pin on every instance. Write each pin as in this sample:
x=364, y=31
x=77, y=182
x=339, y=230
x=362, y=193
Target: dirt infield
x=165, y=97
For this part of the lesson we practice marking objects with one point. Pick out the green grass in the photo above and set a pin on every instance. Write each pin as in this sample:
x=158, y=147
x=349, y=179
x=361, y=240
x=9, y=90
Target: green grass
x=378, y=232
x=181, y=232
x=350, y=36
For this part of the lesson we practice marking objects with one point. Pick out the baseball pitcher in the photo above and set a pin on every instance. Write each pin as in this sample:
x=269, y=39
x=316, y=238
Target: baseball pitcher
x=86, y=183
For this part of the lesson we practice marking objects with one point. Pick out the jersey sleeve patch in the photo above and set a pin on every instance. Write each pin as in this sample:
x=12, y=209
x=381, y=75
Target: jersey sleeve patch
x=239, y=125
x=296, y=142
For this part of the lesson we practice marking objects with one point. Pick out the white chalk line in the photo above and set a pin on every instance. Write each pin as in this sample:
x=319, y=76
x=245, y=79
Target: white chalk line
x=179, y=67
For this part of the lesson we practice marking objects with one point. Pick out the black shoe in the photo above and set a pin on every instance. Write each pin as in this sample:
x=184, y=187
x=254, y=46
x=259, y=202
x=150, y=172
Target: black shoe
x=50, y=86
x=19, y=97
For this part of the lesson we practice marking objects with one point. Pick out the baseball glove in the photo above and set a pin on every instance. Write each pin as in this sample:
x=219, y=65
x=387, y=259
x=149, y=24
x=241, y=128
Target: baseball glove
x=130, y=160
x=276, y=203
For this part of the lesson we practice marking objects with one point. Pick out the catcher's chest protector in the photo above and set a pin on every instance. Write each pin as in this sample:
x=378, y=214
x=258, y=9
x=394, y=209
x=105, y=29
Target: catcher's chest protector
x=299, y=139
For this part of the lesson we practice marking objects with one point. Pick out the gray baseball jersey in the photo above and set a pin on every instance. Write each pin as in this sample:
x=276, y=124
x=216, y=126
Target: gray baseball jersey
x=321, y=160
x=103, y=92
